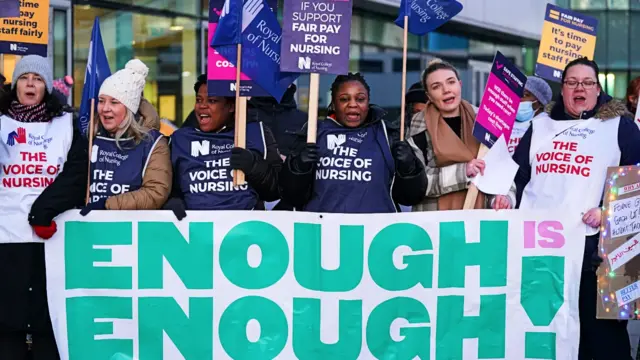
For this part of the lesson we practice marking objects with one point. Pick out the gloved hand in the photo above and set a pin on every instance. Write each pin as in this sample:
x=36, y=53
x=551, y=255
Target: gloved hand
x=242, y=159
x=404, y=157
x=98, y=205
x=306, y=159
x=45, y=232
x=177, y=206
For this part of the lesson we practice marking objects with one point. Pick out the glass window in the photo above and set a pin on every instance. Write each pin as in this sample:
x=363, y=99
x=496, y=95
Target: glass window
x=618, y=4
x=616, y=84
x=59, y=43
x=356, y=28
x=168, y=46
x=589, y=4
x=634, y=33
x=190, y=7
x=601, y=55
x=617, y=39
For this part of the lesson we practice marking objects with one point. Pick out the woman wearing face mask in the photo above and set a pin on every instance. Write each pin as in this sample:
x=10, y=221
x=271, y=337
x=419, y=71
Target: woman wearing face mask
x=442, y=138
x=353, y=168
x=584, y=121
x=130, y=165
x=203, y=159
x=537, y=94
x=44, y=161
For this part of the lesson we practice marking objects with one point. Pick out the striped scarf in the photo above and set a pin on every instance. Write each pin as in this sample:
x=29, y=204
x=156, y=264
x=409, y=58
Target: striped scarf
x=28, y=113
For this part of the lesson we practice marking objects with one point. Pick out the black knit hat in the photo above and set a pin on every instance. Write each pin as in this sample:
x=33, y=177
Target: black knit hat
x=416, y=94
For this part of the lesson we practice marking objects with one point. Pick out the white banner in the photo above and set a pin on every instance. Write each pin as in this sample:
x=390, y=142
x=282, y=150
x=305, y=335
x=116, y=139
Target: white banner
x=292, y=285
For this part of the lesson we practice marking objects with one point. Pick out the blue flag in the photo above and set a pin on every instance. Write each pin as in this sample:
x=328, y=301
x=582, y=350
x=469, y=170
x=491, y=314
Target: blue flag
x=258, y=30
x=97, y=71
x=426, y=16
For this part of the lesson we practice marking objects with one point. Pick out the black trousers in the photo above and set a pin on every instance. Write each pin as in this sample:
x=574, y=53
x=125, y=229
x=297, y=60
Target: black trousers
x=599, y=339
x=23, y=304
x=13, y=346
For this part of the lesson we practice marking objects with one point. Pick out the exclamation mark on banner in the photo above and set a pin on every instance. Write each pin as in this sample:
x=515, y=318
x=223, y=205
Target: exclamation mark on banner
x=542, y=295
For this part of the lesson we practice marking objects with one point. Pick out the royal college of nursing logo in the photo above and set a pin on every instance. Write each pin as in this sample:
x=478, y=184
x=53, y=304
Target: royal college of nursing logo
x=334, y=141
x=19, y=136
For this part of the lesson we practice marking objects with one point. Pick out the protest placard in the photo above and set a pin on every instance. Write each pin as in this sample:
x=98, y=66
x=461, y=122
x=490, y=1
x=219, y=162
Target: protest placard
x=619, y=273
x=221, y=73
x=272, y=285
x=316, y=36
x=9, y=8
x=29, y=33
x=566, y=35
x=500, y=101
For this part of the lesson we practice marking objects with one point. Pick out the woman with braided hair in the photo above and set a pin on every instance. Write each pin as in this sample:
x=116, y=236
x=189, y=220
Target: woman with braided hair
x=353, y=167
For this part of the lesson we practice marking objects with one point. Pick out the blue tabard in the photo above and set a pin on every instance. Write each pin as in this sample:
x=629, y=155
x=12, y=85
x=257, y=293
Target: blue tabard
x=355, y=171
x=202, y=163
x=116, y=170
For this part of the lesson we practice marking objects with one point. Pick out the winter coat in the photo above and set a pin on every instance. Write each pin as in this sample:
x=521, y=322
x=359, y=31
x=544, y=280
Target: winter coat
x=156, y=183
x=628, y=142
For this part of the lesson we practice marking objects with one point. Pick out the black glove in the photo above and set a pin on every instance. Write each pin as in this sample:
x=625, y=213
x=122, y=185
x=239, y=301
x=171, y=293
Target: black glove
x=242, y=159
x=306, y=159
x=98, y=205
x=177, y=206
x=404, y=157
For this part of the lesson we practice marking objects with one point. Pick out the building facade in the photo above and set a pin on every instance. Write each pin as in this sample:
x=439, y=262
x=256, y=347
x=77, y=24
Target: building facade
x=170, y=37
x=617, y=52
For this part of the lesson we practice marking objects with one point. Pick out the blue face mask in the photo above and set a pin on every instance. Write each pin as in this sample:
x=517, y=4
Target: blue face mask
x=525, y=111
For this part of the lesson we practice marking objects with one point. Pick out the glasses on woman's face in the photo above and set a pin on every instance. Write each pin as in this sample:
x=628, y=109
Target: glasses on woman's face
x=587, y=84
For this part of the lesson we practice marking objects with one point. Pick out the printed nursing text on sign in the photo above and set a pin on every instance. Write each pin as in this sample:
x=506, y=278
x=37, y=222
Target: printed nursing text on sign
x=29, y=33
x=499, y=105
x=566, y=35
x=221, y=73
x=619, y=247
x=301, y=286
x=625, y=216
x=316, y=36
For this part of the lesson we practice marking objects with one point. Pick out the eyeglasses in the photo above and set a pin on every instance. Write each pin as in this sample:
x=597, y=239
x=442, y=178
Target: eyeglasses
x=587, y=84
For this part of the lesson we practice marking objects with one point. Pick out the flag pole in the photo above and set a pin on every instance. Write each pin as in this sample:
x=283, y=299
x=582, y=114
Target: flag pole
x=312, y=122
x=90, y=136
x=240, y=136
x=404, y=77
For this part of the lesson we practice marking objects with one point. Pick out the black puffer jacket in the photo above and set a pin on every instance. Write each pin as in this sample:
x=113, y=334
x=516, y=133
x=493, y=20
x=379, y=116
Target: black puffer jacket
x=284, y=119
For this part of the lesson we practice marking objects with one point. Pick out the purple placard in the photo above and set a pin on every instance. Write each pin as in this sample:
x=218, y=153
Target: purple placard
x=315, y=36
x=500, y=102
x=221, y=74
x=9, y=8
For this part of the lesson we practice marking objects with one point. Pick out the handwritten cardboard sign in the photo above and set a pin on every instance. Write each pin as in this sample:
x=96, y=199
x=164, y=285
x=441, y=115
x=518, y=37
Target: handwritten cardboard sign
x=619, y=273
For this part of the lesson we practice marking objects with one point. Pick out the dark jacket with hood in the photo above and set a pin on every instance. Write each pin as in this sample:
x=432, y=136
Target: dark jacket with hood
x=263, y=178
x=628, y=141
x=284, y=119
x=296, y=188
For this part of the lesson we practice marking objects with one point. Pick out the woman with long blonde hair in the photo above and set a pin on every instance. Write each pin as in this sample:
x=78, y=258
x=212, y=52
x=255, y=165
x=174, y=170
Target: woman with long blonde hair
x=130, y=160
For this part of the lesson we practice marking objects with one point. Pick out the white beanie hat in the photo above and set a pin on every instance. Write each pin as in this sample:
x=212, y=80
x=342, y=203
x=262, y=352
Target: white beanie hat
x=126, y=85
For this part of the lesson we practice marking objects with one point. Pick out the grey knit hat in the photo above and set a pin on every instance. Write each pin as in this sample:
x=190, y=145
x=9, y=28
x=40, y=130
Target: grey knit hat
x=34, y=64
x=539, y=88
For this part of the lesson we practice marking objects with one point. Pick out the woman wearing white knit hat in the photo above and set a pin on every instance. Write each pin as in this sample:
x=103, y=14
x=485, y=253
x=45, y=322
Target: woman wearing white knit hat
x=130, y=162
x=38, y=140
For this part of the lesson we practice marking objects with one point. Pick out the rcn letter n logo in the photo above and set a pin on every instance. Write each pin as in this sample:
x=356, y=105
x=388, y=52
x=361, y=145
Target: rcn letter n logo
x=200, y=148
x=304, y=63
x=13, y=47
x=334, y=141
